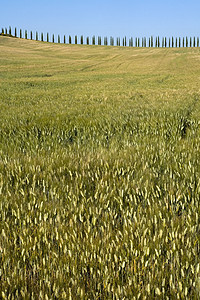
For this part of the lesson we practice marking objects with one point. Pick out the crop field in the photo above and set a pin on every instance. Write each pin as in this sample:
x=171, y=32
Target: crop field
x=99, y=171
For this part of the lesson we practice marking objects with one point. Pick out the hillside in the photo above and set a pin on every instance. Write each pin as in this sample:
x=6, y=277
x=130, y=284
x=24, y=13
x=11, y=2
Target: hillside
x=99, y=171
x=61, y=72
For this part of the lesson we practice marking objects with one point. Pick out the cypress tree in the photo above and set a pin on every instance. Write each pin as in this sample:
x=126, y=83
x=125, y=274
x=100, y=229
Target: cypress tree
x=6, y=31
x=149, y=42
x=93, y=40
x=81, y=40
x=42, y=37
x=64, y=39
x=36, y=36
x=197, y=41
x=179, y=42
x=99, y=40
x=2, y=30
x=165, y=42
x=15, y=32
x=176, y=42
x=138, y=42
x=194, y=42
x=183, y=44
x=53, y=38
x=172, y=42
x=70, y=39
x=10, y=31
x=156, y=42
x=76, y=39
x=186, y=42
x=111, y=41
x=119, y=41
x=142, y=42
x=88, y=41
x=26, y=35
x=47, y=37
x=125, y=41
x=169, y=43
x=20, y=34
x=31, y=35
x=131, y=42
x=58, y=39
x=105, y=41
x=190, y=42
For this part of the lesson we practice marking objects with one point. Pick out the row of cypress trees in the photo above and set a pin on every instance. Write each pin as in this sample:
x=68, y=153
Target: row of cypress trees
x=138, y=42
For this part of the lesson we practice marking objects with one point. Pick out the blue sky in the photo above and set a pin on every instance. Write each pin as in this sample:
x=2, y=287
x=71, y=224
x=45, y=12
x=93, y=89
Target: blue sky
x=104, y=17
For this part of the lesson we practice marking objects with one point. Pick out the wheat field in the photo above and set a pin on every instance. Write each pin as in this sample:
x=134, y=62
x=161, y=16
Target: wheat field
x=99, y=171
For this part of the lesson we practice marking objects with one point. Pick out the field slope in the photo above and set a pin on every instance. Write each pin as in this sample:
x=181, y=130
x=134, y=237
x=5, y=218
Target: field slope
x=99, y=171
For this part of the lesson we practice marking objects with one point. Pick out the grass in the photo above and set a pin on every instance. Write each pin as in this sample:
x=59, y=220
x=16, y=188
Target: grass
x=99, y=171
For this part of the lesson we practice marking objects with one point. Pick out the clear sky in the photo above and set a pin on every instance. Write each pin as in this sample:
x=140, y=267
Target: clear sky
x=141, y=18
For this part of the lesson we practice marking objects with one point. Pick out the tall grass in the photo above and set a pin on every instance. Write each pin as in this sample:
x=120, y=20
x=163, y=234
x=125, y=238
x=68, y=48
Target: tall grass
x=99, y=172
